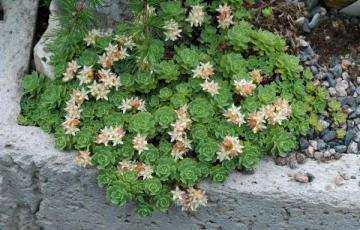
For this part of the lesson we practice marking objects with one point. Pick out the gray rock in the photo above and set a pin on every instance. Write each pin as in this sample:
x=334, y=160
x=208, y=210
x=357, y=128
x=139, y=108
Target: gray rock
x=304, y=144
x=305, y=27
x=300, y=21
x=314, y=69
x=349, y=137
x=341, y=88
x=353, y=147
x=337, y=70
x=332, y=91
x=330, y=78
x=355, y=114
x=314, y=21
x=340, y=148
x=329, y=135
x=350, y=101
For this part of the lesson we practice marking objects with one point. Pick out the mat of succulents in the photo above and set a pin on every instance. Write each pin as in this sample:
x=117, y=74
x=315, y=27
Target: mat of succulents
x=183, y=92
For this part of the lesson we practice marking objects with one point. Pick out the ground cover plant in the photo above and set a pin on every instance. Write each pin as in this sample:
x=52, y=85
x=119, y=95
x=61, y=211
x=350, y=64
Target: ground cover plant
x=183, y=92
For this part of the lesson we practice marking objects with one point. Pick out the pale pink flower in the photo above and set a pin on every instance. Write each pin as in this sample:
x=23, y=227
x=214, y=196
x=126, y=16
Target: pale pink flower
x=116, y=135
x=140, y=144
x=180, y=148
x=132, y=104
x=234, y=115
x=99, y=90
x=71, y=125
x=173, y=31
x=229, y=148
x=83, y=158
x=196, y=16
x=225, y=17
x=210, y=87
x=244, y=88
x=203, y=71
x=104, y=136
x=256, y=121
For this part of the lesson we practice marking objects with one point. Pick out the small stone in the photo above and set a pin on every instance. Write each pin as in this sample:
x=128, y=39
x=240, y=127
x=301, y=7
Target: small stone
x=358, y=80
x=357, y=90
x=310, y=134
x=327, y=155
x=325, y=123
x=305, y=27
x=345, y=75
x=349, y=137
x=332, y=144
x=314, y=21
x=314, y=69
x=292, y=161
x=345, y=64
x=350, y=101
x=319, y=156
x=304, y=144
x=310, y=151
x=355, y=114
x=353, y=177
x=282, y=161
x=330, y=78
x=341, y=88
x=301, y=158
x=337, y=70
x=339, y=181
x=313, y=143
x=303, y=177
x=321, y=144
x=340, y=148
x=353, y=147
x=337, y=156
x=332, y=91
x=300, y=21
x=328, y=136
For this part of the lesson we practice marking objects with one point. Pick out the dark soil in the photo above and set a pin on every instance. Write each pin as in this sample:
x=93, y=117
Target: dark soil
x=334, y=37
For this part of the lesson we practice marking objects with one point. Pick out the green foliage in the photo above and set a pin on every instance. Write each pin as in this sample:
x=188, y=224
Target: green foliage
x=160, y=126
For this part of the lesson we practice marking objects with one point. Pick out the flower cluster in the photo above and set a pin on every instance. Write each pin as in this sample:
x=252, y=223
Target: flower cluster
x=191, y=199
x=132, y=104
x=72, y=109
x=113, y=54
x=111, y=134
x=234, y=115
x=274, y=114
x=71, y=71
x=173, y=31
x=225, y=17
x=83, y=158
x=142, y=170
x=244, y=88
x=196, y=16
x=140, y=144
x=229, y=148
x=90, y=39
x=178, y=134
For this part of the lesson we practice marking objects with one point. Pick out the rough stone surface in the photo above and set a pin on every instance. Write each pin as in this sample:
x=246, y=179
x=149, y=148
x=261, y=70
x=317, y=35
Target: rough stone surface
x=42, y=188
x=109, y=14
